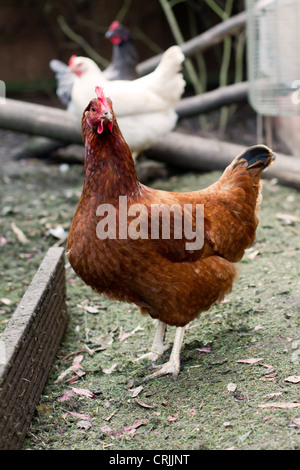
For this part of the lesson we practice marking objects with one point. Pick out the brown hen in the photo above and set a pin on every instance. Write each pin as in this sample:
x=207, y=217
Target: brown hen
x=172, y=254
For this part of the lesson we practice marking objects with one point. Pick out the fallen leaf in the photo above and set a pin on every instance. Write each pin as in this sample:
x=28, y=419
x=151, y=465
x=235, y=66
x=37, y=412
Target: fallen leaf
x=227, y=424
x=106, y=429
x=74, y=368
x=172, y=418
x=144, y=405
x=252, y=360
x=124, y=336
x=66, y=396
x=3, y=241
x=239, y=396
x=282, y=405
x=110, y=369
x=287, y=217
x=231, y=387
x=19, y=234
x=79, y=415
x=205, y=349
x=271, y=395
x=58, y=232
x=5, y=301
x=293, y=378
x=84, y=424
x=91, y=309
x=253, y=255
x=83, y=391
x=135, y=391
x=270, y=369
x=139, y=423
x=296, y=421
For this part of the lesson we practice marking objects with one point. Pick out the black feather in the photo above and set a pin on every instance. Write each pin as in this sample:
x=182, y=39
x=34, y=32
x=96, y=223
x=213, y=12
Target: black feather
x=258, y=156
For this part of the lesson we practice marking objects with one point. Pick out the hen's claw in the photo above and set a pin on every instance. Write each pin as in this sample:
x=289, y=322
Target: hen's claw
x=154, y=355
x=170, y=367
x=173, y=365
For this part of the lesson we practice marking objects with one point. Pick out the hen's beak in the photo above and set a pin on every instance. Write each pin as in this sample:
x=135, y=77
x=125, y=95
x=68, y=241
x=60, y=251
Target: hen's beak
x=106, y=116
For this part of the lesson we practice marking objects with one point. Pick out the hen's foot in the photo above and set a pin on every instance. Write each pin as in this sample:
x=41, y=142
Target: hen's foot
x=154, y=355
x=158, y=346
x=170, y=367
x=173, y=365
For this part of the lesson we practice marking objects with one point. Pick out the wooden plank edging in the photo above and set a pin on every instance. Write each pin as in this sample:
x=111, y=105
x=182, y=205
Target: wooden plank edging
x=28, y=346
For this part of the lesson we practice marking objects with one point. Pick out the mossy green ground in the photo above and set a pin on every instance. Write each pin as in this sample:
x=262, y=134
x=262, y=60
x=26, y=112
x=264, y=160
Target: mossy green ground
x=259, y=319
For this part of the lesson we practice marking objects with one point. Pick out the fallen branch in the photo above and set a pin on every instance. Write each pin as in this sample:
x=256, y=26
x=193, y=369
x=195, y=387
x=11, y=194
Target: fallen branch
x=176, y=148
x=211, y=100
x=200, y=43
x=37, y=119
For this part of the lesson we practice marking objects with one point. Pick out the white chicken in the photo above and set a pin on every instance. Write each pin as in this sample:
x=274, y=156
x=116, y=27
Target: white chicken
x=144, y=107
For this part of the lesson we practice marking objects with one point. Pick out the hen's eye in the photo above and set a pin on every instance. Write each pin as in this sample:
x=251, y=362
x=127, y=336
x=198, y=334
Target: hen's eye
x=93, y=110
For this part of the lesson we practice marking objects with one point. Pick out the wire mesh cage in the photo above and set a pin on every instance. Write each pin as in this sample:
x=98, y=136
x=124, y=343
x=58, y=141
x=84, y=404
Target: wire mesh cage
x=273, y=42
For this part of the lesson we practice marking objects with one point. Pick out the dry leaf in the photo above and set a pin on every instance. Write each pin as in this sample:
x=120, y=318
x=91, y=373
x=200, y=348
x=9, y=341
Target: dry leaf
x=231, y=387
x=92, y=309
x=253, y=255
x=282, y=405
x=144, y=405
x=5, y=301
x=172, y=418
x=271, y=395
x=79, y=415
x=75, y=367
x=20, y=235
x=288, y=217
x=84, y=425
x=110, y=369
x=206, y=349
x=106, y=429
x=66, y=396
x=3, y=241
x=296, y=421
x=135, y=391
x=124, y=336
x=139, y=423
x=83, y=391
x=58, y=232
x=293, y=378
x=252, y=360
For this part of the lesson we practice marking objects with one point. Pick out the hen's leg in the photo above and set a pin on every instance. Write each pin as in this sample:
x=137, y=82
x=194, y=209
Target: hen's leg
x=158, y=346
x=173, y=365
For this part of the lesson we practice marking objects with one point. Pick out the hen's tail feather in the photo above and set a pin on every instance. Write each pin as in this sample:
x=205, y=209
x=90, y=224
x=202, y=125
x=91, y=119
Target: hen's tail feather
x=258, y=156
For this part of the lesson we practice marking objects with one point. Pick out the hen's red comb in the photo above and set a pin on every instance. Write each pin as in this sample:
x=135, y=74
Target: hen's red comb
x=71, y=60
x=101, y=97
x=114, y=25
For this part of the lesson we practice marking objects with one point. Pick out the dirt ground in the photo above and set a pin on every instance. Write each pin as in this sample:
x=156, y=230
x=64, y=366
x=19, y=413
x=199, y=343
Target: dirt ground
x=239, y=383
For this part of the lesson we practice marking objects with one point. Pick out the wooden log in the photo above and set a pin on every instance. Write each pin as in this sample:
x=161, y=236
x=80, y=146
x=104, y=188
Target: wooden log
x=211, y=100
x=176, y=148
x=37, y=119
x=202, y=154
x=200, y=43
